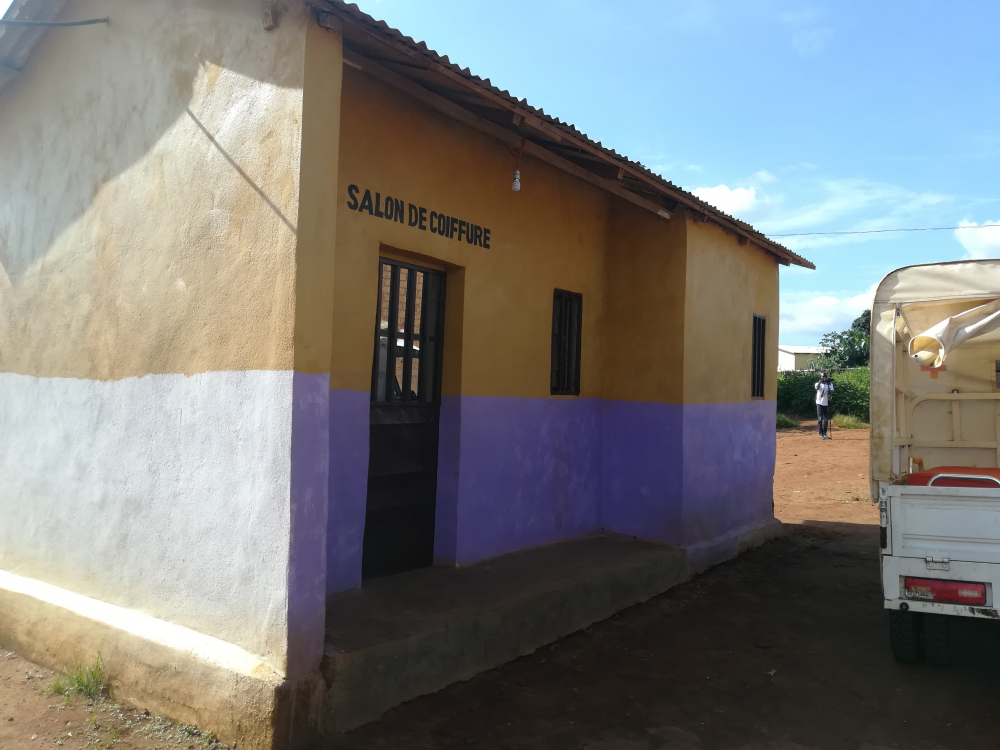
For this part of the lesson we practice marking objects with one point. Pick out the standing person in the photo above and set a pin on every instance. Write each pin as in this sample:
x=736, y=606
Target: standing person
x=824, y=389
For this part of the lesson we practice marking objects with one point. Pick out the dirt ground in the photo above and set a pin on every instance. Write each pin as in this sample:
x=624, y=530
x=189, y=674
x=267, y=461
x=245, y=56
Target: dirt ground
x=823, y=480
x=32, y=718
x=785, y=648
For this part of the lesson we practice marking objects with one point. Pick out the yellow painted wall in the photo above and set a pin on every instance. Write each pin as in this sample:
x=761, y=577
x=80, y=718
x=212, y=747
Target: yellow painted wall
x=803, y=361
x=318, y=205
x=667, y=304
x=149, y=201
x=647, y=261
x=550, y=235
x=726, y=285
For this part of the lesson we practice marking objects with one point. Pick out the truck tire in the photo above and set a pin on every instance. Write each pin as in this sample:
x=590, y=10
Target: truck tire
x=904, y=636
x=937, y=639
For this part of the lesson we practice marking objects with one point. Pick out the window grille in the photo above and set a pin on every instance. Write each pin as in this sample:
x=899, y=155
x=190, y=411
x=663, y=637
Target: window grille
x=408, y=332
x=757, y=356
x=567, y=323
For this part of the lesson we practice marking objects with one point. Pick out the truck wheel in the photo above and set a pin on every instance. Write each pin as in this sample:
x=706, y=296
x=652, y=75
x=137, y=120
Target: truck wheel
x=937, y=640
x=904, y=636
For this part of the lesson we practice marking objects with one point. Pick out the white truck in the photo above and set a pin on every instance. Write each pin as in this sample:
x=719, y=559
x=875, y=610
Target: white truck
x=935, y=449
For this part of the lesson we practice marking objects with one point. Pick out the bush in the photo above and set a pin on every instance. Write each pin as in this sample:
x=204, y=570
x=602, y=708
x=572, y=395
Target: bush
x=847, y=422
x=785, y=422
x=796, y=394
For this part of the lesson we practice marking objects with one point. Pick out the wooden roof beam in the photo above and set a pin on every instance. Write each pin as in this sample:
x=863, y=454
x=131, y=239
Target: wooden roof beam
x=503, y=135
x=560, y=135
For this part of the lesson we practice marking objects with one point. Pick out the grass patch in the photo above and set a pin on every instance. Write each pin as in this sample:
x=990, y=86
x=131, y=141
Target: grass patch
x=848, y=422
x=89, y=682
x=785, y=422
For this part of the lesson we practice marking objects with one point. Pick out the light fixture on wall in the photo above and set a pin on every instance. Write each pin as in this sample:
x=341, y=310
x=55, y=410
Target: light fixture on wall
x=516, y=186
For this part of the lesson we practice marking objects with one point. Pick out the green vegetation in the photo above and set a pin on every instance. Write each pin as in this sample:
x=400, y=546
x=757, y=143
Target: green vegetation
x=797, y=395
x=87, y=682
x=785, y=422
x=847, y=422
x=848, y=348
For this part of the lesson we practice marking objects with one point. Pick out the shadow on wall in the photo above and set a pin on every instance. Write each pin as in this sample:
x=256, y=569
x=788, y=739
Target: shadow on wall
x=77, y=131
x=150, y=167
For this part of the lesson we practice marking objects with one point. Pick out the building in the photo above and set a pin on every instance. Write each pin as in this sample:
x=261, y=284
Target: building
x=799, y=357
x=274, y=323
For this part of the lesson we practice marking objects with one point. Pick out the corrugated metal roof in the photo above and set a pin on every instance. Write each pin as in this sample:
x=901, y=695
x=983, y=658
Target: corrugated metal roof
x=803, y=349
x=18, y=42
x=568, y=141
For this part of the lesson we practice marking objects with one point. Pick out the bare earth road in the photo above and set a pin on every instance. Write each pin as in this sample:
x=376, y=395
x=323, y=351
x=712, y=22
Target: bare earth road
x=785, y=648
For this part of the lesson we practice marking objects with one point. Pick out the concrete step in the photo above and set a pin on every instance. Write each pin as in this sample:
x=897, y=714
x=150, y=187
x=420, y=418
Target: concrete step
x=408, y=635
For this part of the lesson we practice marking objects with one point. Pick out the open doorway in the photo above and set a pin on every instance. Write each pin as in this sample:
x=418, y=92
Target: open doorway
x=404, y=420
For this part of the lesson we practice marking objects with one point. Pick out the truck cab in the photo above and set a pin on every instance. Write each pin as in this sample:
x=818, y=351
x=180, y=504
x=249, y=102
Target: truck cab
x=935, y=449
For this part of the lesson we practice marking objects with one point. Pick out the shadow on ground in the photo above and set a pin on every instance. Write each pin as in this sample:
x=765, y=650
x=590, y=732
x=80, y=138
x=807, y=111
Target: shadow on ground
x=786, y=647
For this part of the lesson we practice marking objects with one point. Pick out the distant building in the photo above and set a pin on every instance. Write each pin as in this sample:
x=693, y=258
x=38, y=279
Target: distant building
x=799, y=357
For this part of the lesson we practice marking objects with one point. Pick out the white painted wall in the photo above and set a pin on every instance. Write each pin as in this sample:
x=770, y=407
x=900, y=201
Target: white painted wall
x=165, y=494
x=786, y=361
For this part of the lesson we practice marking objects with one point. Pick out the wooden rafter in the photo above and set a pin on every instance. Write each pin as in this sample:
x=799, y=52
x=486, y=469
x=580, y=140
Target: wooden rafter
x=506, y=137
x=631, y=179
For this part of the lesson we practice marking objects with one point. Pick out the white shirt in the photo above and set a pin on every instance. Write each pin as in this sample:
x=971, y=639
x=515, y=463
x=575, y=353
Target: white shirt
x=823, y=391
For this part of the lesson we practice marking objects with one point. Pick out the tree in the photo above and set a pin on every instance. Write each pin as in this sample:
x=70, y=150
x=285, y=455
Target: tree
x=863, y=323
x=847, y=348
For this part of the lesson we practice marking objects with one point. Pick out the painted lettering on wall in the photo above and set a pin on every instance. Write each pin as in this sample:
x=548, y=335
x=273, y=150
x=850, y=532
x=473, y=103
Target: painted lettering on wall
x=394, y=209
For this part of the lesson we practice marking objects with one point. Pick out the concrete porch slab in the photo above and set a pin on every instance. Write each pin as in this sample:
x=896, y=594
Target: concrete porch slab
x=412, y=634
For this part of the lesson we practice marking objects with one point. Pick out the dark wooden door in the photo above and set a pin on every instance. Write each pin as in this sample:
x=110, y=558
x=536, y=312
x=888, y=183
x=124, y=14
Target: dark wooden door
x=405, y=409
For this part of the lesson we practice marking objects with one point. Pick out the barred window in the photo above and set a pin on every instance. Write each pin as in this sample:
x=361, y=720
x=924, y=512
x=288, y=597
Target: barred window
x=567, y=320
x=757, y=356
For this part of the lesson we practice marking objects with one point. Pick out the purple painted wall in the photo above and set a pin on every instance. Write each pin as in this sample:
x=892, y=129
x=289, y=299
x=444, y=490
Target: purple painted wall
x=729, y=454
x=308, y=508
x=643, y=470
x=515, y=473
x=348, y=417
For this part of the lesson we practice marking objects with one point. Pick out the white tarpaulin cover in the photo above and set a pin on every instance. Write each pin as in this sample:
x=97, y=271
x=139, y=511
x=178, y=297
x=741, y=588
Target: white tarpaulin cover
x=931, y=347
x=910, y=301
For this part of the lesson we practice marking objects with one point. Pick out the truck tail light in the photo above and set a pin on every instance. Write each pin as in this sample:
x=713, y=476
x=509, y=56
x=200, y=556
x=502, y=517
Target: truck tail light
x=952, y=592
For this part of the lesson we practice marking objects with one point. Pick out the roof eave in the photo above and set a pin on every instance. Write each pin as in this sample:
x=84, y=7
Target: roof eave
x=428, y=61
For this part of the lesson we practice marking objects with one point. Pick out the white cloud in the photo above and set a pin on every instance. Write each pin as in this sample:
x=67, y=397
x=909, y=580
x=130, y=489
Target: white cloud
x=848, y=205
x=842, y=205
x=727, y=199
x=806, y=316
x=979, y=243
x=737, y=200
x=4, y=7
x=811, y=42
x=808, y=38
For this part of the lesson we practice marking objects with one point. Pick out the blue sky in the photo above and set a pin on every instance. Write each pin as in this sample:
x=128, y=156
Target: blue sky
x=794, y=116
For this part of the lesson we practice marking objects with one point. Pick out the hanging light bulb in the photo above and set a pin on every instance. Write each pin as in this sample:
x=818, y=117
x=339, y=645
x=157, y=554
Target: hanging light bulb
x=517, y=181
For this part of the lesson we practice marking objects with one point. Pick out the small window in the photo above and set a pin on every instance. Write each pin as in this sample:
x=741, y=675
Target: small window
x=997, y=380
x=567, y=320
x=757, y=374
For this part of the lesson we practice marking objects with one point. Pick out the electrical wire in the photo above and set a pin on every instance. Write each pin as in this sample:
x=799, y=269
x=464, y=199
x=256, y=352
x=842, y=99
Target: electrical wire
x=880, y=231
x=11, y=22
